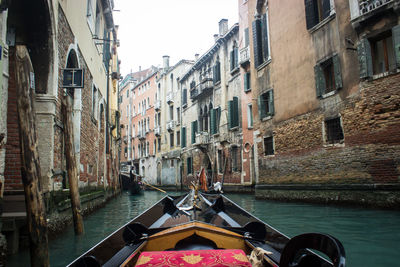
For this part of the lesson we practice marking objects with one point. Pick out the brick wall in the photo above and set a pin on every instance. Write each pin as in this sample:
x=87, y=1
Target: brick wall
x=12, y=171
x=370, y=152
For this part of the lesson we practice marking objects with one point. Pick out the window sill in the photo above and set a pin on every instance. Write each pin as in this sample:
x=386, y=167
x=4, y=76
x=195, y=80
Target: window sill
x=266, y=118
x=264, y=64
x=385, y=74
x=334, y=92
x=322, y=23
x=93, y=120
x=269, y=156
x=236, y=69
x=250, y=128
x=247, y=90
x=234, y=128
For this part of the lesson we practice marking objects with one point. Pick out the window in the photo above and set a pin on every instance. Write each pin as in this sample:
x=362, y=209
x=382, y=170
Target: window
x=234, y=55
x=249, y=116
x=89, y=14
x=247, y=81
x=159, y=144
x=171, y=164
x=328, y=77
x=316, y=11
x=171, y=140
x=183, y=137
x=385, y=51
x=171, y=112
x=269, y=146
x=184, y=97
x=233, y=113
x=246, y=37
x=189, y=165
x=236, y=159
x=217, y=72
x=266, y=104
x=194, y=131
x=261, y=40
x=148, y=102
x=154, y=147
x=334, y=131
x=178, y=115
x=97, y=25
x=220, y=161
x=178, y=138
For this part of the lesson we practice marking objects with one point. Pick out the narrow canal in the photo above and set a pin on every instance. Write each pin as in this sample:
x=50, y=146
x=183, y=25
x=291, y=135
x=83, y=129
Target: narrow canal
x=370, y=237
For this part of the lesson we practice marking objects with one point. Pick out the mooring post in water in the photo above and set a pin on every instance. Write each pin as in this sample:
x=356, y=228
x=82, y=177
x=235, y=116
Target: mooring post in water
x=72, y=170
x=30, y=170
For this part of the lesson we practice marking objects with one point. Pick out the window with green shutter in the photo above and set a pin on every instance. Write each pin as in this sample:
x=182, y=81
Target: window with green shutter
x=194, y=131
x=183, y=137
x=261, y=40
x=189, y=164
x=184, y=97
x=233, y=112
x=217, y=118
x=217, y=72
x=316, y=11
x=213, y=120
x=246, y=79
x=266, y=104
x=328, y=76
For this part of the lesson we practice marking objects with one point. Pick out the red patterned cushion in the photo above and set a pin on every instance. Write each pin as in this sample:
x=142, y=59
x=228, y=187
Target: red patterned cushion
x=212, y=258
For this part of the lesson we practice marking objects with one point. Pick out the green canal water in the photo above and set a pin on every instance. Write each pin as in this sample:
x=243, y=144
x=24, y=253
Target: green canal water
x=371, y=237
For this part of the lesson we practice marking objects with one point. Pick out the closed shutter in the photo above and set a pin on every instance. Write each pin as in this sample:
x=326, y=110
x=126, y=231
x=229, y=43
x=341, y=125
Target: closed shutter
x=218, y=119
x=213, y=121
x=257, y=44
x=214, y=70
x=364, y=58
x=319, y=80
x=311, y=15
x=184, y=96
x=265, y=41
x=245, y=82
x=396, y=43
x=338, y=72
x=235, y=112
x=230, y=113
x=183, y=137
x=271, y=107
x=194, y=131
x=261, y=107
x=232, y=58
x=326, y=8
x=236, y=56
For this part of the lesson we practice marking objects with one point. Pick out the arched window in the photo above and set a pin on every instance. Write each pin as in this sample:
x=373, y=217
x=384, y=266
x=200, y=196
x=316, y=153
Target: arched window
x=201, y=119
x=205, y=119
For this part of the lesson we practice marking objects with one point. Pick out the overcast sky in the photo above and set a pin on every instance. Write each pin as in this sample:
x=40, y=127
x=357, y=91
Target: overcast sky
x=149, y=29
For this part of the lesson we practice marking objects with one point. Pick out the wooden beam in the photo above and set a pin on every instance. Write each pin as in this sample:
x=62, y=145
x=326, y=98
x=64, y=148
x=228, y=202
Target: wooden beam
x=30, y=170
x=72, y=171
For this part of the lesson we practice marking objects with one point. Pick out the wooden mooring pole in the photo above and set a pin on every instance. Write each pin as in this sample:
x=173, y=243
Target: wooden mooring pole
x=30, y=170
x=72, y=170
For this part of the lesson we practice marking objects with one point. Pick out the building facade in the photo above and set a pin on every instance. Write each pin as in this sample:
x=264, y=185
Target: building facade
x=324, y=78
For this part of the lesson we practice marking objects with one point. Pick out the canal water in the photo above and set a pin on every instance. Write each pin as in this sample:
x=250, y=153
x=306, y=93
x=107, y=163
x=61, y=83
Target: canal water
x=370, y=237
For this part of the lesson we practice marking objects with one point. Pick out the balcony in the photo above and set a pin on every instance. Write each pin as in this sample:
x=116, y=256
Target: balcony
x=170, y=97
x=206, y=86
x=141, y=135
x=202, y=138
x=244, y=55
x=157, y=105
x=170, y=125
x=367, y=6
x=157, y=130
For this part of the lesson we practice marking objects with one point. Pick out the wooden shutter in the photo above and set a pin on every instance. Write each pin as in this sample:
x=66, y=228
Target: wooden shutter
x=214, y=70
x=213, y=121
x=218, y=119
x=311, y=15
x=396, y=43
x=194, y=131
x=235, y=112
x=261, y=107
x=183, y=137
x=257, y=45
x=245, y=82
x=230, y=113
x=326, y=8
x=265, y=41
x=232, y=58
x=271, y=107
x=236, y=56
x=365, y=58
x=319, y=80
x=184, y=96
x=337, y=71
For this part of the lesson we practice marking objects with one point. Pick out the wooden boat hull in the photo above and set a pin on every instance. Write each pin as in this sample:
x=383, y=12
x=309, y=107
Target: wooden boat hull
x=207, y=222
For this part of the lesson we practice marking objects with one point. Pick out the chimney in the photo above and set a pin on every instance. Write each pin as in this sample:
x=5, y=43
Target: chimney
x=165, y=62
x=196, y=56
x=216, y=36
x=223, y=26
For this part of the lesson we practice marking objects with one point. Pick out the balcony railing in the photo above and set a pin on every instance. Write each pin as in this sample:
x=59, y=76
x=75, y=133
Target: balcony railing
x=170, y=97
x=202, y=138
x=370, y=5
x=193, y=93
x=157, y=105
x=157, y=130
x=141, y=135
x=245, y=55
x=170, y=125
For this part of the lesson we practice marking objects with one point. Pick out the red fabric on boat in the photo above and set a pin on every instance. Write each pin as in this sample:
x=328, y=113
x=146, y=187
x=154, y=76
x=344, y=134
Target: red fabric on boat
x=212, y=258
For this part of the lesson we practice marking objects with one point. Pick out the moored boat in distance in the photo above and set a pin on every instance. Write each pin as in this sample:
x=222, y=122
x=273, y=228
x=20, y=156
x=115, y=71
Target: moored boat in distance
x=200, y=229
